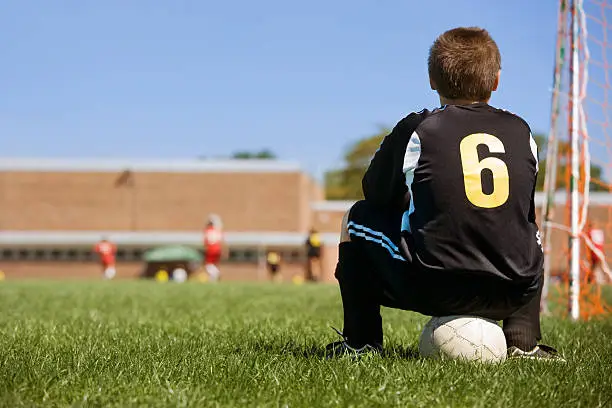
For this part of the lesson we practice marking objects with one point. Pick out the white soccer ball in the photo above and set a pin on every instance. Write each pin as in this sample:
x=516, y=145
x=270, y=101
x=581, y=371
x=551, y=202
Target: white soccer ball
x=463, y=338
x=179, y=275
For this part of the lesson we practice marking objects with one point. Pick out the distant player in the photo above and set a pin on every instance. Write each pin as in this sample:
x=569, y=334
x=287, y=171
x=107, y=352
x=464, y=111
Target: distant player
x=448, y=223
x=273, y=261
x=213, y=246
x=596, y=235
x=313, y=256
x=106, y=251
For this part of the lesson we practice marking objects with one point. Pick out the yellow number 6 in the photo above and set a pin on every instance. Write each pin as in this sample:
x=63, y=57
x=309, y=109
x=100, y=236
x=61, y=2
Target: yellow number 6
x=472, y=171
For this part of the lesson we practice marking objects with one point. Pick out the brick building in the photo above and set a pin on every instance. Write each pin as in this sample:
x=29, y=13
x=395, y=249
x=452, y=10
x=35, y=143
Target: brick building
x=53, y=211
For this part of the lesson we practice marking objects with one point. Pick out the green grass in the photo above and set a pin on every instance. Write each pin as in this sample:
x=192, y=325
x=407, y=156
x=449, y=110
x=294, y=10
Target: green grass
x=147, y=344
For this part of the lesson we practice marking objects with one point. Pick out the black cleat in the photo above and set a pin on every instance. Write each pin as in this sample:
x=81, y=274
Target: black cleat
x=539, y=352
x=342, y=348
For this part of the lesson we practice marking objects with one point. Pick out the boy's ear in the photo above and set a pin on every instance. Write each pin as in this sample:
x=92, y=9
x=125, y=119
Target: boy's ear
x=496, y=81
x=432, y=84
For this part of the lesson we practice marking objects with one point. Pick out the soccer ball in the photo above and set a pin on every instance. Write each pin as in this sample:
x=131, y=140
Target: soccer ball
x=463, y=338
x=179, y=275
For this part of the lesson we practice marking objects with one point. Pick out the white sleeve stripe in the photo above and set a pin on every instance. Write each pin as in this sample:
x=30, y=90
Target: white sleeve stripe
x=534, y=150
x=412, y=155
x=411, y=161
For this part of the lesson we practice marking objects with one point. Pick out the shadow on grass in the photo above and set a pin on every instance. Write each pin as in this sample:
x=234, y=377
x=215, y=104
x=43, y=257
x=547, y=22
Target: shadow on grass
x=318, y=351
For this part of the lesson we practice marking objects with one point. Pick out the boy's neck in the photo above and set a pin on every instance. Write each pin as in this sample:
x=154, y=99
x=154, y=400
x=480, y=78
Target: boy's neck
x=445, y=101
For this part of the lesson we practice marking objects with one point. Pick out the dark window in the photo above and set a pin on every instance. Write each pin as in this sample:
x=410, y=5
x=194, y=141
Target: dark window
x=23, y=255
x=40, y=255
x=241, y=255
x=71, y=255
x=56, y=255
x=8, y=254
x=250, y=255
x=234, y=255
x=122, y=255
x=137, y=254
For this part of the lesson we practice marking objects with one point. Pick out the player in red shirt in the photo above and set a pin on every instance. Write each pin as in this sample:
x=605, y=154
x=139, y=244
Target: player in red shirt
x=213, y=246
x=106, y=251
x=596, y=235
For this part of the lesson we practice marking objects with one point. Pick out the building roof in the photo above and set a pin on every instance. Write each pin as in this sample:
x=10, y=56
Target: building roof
x=95, y=165
x=153, y=238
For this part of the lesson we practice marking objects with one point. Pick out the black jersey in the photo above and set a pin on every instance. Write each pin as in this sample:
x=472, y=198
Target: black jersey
x=465, y=176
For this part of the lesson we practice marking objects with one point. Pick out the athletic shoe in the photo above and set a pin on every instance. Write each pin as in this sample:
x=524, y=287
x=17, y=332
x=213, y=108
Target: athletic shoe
x=539, y=352
x=342, y=348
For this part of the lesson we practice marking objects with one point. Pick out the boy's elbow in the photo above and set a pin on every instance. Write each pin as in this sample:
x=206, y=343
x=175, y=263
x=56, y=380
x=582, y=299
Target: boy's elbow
x=377, y=197
x=374, y=199
x=389, y=201
x=381, y=194
x=368, y=192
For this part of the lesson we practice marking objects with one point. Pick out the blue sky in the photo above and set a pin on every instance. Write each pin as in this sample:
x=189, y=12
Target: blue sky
x=180, y=79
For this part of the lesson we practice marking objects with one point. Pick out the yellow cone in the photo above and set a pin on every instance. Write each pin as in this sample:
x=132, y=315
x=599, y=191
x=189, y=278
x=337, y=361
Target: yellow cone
x=298, y=280
x=2, y=276
x=161, y=276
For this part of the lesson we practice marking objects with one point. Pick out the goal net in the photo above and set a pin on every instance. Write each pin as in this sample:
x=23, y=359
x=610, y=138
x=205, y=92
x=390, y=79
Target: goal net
x=577, y=199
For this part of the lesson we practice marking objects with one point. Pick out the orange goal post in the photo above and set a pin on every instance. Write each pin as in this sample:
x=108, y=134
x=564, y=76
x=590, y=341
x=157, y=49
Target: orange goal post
x=577, y=208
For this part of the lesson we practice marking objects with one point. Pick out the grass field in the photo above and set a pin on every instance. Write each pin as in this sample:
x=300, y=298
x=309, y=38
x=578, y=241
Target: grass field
x=148, y=344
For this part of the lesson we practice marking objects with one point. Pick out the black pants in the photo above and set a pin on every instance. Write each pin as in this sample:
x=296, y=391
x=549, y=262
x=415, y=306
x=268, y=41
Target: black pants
x=376, y=268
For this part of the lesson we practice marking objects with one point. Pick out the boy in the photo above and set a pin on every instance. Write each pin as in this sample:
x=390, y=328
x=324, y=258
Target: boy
x=213, y=246
x=596, y=235
x=447, y=226
x=313, y=257
x=106, y=251
x=273, y=261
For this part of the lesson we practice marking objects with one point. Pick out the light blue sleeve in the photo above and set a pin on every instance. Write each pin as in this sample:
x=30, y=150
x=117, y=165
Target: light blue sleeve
x=411, y=160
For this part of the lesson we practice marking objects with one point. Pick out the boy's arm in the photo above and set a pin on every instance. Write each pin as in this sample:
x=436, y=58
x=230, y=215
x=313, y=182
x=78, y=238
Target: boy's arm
x=384, y=183
x=531, y=217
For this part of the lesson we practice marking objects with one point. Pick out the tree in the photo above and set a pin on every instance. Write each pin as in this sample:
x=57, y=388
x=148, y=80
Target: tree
x=562, y=165
x=345, y=183
x=262, y=154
